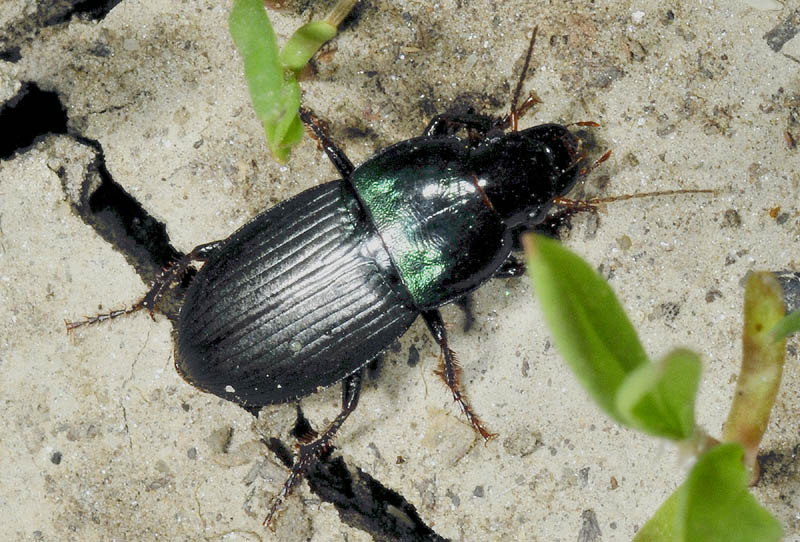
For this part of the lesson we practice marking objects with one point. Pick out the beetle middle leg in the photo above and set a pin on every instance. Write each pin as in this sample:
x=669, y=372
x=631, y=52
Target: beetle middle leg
x=150, y=300
x=450, y=372
x=311, y=451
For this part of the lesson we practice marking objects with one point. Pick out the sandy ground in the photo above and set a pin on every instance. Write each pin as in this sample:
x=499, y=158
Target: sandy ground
x=102, y=440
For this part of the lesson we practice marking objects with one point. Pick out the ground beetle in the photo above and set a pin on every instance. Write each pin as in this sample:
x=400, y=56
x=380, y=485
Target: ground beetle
x=308, y=292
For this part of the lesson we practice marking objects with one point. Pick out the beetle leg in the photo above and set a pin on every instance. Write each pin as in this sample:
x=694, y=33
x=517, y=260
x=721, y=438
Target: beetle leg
x=150, y=300
x=200, y=253
x=554, y=221
x=450, y=372
x=465, y=304
x=337, y=156
x=515, y=113
x=309, y=453
x=511, y=119
x=512, y=267
x=482, y=124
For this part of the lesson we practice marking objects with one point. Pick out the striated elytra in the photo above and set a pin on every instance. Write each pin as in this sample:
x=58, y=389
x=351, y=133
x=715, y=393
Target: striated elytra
x=309, y=291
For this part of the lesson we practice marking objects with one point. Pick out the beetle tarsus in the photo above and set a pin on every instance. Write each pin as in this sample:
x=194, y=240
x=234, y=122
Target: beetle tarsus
x=450, y=371
x=101, y=317
x=311, y=452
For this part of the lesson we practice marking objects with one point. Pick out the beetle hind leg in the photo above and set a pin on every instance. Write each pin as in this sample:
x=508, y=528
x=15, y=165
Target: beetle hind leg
x=450, y=372
x=309, y=452
x=160, y=286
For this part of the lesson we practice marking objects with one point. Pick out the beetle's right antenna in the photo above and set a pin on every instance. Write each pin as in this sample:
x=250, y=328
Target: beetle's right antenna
x=565, y=202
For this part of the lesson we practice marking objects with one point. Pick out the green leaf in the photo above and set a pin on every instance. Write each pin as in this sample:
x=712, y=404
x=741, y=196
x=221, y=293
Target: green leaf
x=659, y=398
x=713, y=505
x=588, y=324
x=786, y=326
x=254, y=38
x=274, y=93
x=304, y=43
x=286, y=131
x=662, y=526
x=270, y=75
x=719, y=506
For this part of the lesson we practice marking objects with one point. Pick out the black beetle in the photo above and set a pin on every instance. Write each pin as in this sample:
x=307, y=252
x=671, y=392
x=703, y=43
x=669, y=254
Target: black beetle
x=308, y=292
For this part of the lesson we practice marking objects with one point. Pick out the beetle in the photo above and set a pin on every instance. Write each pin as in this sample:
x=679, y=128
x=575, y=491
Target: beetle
x=308, y=292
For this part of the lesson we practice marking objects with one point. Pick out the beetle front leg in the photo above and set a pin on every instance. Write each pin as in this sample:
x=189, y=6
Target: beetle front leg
x=351, y=390
x=554, y=221
x=450, y=372
x=336, y=155
x=150, y=300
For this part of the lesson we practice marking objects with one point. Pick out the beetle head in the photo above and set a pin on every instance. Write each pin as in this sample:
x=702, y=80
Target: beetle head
x=521, y=172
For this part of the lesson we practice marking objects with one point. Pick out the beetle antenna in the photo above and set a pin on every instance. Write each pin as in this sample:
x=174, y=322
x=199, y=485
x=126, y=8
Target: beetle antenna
x=625, y=197
x=587, y=123
x=591, y=203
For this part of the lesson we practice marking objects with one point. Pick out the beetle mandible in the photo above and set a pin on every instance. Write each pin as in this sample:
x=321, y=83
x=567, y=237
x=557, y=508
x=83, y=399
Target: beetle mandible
x=308, y=292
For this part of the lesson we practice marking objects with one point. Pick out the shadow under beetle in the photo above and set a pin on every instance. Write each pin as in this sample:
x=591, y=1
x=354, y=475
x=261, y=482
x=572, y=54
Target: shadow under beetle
x=309, y=291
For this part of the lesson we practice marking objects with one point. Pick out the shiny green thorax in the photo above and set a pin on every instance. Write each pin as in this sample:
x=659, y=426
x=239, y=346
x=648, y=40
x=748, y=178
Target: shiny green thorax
x=436, y=223
x=444, y=208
